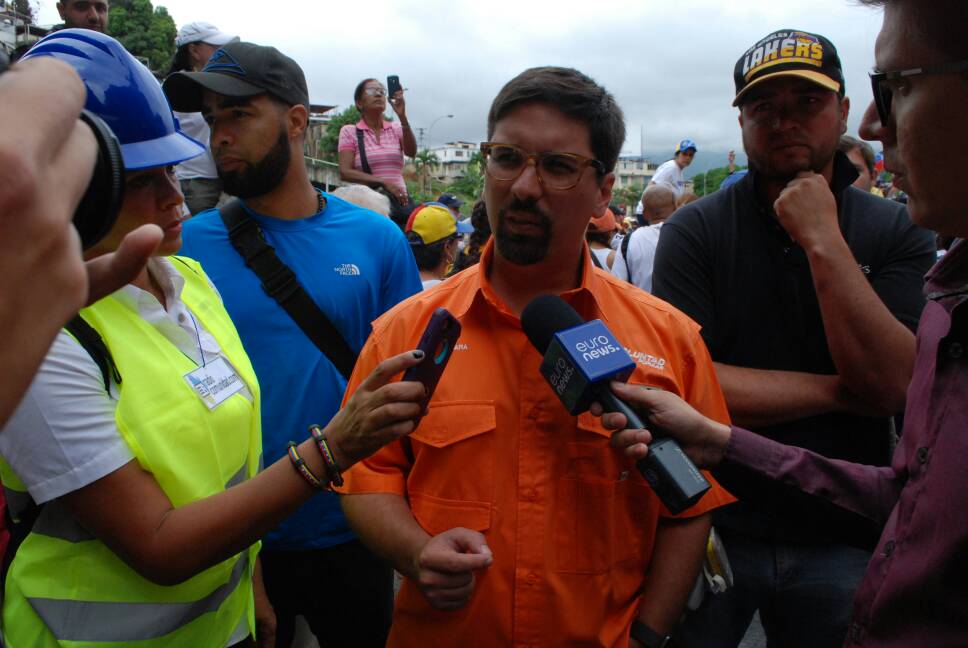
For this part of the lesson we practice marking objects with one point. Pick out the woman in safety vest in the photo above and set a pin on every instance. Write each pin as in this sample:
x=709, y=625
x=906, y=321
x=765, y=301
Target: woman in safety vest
x=134, y=458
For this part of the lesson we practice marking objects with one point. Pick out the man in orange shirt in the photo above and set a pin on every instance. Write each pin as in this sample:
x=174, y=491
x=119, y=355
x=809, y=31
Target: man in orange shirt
x=514, y=522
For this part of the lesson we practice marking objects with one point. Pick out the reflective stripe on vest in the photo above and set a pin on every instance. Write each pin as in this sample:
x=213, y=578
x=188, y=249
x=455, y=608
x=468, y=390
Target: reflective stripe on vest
x=65, y=588
x=95, y=621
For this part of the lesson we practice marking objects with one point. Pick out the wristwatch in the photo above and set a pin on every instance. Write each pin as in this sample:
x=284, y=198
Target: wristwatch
x=649, y=637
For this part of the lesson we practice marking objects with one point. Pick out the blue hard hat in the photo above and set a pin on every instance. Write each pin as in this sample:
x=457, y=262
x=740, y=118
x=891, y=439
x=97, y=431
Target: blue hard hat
x=123, y=93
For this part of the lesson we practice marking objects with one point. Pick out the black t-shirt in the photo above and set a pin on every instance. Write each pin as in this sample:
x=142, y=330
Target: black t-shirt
x=727, y=263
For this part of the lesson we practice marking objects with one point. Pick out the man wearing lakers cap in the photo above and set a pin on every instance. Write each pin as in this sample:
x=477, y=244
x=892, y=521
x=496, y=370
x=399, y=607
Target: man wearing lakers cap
x=806, y=289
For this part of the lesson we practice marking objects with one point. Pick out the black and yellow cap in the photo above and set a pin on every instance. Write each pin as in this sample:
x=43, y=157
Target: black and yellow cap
x=789, y=52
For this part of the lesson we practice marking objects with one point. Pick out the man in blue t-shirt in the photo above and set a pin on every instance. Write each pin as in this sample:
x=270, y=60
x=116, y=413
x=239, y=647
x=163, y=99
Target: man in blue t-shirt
x=354, y=265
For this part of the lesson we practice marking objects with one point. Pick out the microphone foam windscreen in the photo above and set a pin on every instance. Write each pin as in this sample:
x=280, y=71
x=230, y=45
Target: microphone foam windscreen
x=544, y=316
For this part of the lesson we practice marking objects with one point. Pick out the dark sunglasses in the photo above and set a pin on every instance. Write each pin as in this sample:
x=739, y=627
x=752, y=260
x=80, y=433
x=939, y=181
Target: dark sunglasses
x=881, y=83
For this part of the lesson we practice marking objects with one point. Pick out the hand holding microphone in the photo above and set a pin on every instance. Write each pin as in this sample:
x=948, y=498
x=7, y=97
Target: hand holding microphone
x=702, y=439
x=581, y=359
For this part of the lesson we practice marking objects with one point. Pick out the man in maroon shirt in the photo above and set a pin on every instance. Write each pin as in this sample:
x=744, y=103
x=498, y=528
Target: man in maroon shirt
x=913, y=592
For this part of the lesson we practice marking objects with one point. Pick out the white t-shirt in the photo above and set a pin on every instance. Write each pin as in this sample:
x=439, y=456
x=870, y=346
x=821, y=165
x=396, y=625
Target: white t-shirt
x=201, y=166
x=641, y=251
x=602, y=255
x=670, y=175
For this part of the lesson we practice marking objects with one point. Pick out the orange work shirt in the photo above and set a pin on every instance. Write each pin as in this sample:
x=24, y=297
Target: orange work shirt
x=570, y=521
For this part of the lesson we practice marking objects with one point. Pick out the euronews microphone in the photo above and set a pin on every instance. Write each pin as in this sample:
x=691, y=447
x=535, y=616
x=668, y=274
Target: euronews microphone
x=580, y=360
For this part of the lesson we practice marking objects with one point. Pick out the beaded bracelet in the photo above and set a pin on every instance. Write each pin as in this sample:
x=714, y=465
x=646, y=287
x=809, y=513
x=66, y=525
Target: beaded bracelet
x=302, y=468
x=332, y=468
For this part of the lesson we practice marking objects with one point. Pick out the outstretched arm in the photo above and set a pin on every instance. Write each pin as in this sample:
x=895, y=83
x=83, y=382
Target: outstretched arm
x=868, y=491
x=129, y=512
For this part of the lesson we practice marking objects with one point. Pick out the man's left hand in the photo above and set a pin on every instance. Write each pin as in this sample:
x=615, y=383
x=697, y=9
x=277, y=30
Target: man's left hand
x=807, y=210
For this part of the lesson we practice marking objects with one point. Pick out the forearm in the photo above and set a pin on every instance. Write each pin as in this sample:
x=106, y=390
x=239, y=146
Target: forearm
x=409, y=139
x=385, y=524
x=872, y=350
x=763, y=397
x=205, y=532
x=677, y=557
x=359, y=177
x=168, y=544
x=868, y=491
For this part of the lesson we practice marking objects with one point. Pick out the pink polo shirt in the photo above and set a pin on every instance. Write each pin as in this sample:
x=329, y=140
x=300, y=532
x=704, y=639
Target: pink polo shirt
x=385, y=157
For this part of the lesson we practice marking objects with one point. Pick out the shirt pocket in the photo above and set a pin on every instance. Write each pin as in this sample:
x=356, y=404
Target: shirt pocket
x=605, y=513
x=451, y=480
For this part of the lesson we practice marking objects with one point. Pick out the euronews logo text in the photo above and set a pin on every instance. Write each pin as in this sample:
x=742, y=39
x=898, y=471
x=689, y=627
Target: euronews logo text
x=596, y=347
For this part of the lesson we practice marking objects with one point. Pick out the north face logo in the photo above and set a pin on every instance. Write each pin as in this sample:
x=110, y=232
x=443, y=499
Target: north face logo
x=222, y=61
x=347, y=270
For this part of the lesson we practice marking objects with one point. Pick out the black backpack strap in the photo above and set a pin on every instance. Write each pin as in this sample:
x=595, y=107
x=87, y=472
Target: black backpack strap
x=280, y=283
x=91, y=341
x=598, y=264
x=625, y=253
x=362, y=147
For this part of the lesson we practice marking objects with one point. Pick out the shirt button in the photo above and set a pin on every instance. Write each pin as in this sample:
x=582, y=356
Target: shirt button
x=889, y=547
x=181, y=317
x=532, y=579
x=529, y=494
x=956, y=350
x=922, y=455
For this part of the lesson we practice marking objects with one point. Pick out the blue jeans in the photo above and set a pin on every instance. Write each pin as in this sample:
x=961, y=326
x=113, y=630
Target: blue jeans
x=804, y=594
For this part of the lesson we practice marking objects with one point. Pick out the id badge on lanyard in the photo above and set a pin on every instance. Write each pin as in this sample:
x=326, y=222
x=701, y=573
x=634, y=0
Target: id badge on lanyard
x=215, y=382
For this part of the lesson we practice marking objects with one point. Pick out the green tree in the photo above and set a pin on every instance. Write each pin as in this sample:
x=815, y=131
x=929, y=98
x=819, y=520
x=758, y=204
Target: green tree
x=25, y=11
x=706, y=183
x=628, y=196
x=329, y=145
x=425, y=162
x=470, y=185
x=144, y=31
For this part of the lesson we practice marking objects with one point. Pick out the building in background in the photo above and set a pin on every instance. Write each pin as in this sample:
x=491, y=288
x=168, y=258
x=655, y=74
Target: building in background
x=633, y=170
x=15, y=30
x=453, y=159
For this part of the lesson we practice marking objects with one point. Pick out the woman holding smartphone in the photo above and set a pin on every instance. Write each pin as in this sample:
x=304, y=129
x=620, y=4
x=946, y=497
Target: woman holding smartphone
x=371, y=151
x=134, y=458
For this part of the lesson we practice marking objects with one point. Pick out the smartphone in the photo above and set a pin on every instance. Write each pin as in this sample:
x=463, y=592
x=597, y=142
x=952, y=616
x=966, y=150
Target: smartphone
x=437, y=343
x=393, y=84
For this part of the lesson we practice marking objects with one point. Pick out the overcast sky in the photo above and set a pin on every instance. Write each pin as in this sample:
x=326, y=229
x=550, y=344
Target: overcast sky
x=668, y=63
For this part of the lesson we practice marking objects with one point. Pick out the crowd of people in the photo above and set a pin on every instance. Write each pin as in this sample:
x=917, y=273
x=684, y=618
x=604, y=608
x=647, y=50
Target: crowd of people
x=203, y=431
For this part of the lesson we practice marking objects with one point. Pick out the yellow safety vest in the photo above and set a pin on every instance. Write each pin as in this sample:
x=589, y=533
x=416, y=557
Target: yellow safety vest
x=65, y=587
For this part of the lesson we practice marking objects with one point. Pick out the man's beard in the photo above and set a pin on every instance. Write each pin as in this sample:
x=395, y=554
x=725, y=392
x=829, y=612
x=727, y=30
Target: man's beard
x=765, y=165
x=262, y=177
x=522, y=249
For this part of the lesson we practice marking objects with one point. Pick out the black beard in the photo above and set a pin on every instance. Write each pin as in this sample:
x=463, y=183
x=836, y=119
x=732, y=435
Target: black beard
x=262, y=177
x=523, y=250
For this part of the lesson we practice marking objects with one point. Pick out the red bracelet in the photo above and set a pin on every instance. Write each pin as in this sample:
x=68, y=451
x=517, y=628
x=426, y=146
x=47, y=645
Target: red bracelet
x=333, y=473
x=302, y=468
